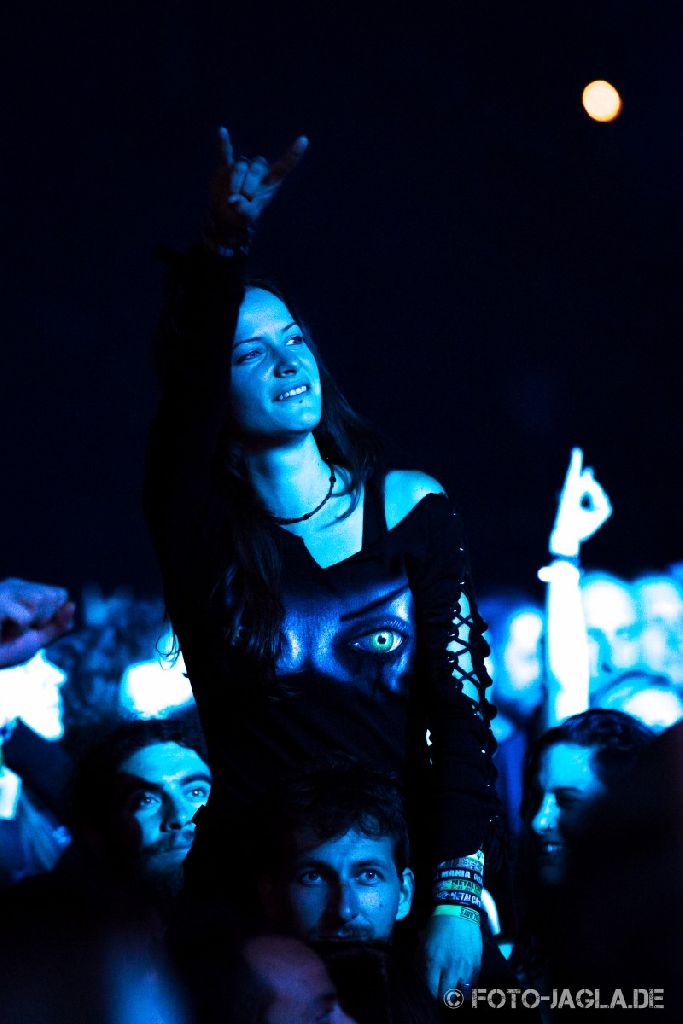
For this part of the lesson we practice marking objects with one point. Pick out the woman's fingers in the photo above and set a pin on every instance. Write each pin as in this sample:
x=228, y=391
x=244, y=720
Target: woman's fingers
x=225, y=146
x=287, y=162
x=238, y=172
x=256, y=171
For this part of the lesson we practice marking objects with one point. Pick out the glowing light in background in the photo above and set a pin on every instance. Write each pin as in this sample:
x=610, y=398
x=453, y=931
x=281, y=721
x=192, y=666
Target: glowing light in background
x=601, y=101
x=153, y=688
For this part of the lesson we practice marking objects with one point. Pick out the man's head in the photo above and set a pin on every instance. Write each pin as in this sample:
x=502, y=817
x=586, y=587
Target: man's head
x=567, y=769
x=336, y=854
x=299, y=987
x=612, y=627
x=514, y=630
x=135, y=796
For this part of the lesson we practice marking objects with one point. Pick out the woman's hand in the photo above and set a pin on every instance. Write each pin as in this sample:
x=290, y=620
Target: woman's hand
x=452, y=951
x=582, y=509
x=241, y=190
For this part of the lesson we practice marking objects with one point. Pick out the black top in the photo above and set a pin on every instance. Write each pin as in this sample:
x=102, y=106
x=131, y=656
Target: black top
x=365, y=665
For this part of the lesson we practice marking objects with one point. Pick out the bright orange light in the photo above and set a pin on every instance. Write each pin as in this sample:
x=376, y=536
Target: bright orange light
x=601, y=101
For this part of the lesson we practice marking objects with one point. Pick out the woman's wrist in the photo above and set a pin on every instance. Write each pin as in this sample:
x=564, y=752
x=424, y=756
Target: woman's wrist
x=458, y=885
x=228, y=241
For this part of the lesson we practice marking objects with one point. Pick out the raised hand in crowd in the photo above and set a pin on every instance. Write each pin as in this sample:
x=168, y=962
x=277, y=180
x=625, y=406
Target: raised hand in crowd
x=32, y=615
x=582, y=508
x=241, y=190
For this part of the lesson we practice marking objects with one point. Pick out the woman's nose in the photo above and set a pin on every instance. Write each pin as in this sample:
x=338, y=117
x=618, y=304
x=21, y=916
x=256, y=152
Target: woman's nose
x=546, y=816
x=286, y=364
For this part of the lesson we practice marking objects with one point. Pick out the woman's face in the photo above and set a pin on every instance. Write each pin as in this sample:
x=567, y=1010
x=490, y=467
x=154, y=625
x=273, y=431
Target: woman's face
x=275, y=385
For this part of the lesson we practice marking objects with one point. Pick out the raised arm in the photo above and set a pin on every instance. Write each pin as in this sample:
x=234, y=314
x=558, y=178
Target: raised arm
x=203, y=290
x=583, y=507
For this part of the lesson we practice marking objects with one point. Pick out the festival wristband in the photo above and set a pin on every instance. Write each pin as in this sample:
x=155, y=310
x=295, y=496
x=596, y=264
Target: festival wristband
x=449, y=911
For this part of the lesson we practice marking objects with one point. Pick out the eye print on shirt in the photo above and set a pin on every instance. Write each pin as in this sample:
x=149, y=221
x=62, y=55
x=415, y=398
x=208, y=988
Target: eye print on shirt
x=375, y=641
x=364, y=637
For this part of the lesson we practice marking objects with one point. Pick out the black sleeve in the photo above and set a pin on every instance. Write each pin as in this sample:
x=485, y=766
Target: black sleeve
x=463, y=797
x=193, y=346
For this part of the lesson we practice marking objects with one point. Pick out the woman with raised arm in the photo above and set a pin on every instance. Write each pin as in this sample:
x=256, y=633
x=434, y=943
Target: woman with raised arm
x=320, y=601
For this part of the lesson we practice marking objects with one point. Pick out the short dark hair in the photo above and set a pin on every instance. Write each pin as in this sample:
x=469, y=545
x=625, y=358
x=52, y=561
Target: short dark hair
x=618, y=738
x=93, y=790
x=329, y=798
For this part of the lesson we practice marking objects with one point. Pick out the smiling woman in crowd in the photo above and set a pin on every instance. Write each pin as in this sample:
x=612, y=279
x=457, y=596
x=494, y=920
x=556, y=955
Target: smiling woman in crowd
x=321, y=600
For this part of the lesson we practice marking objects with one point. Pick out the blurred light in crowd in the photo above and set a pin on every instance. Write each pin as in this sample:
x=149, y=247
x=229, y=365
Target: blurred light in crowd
x=150, y=689
x=32, y=692
x=601, y=101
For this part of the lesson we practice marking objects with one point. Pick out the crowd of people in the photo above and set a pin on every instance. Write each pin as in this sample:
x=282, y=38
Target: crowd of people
x=320, y=777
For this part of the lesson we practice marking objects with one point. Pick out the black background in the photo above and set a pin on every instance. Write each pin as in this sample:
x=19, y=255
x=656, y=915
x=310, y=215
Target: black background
x=492, y=276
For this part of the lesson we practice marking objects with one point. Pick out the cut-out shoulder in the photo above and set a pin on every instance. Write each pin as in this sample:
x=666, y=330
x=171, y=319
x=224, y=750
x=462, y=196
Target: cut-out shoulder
x=403, y=490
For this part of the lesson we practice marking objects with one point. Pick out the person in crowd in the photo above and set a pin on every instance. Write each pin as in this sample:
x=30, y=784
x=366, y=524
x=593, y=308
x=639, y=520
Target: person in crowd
x=32, y=768
x=575, y=658
x=265, y=978
x=112, y=893
x=624, y=888
x=132, y=800
x=515, y=633
x=612, y=629
x=334, y=861
x=568, y=769
x=321, y=602
x=135, y=796
x=659, y=601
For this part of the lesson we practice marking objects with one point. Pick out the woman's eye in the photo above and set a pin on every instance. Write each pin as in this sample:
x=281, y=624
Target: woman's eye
x=296, y=339
x=381, y=641
x=248, y=355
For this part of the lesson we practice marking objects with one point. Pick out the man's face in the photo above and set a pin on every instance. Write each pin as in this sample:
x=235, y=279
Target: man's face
x=163, y=785
x=612, y=627
x=519, y=686
x=567, y=785
x=302, y=990
x=345, y=888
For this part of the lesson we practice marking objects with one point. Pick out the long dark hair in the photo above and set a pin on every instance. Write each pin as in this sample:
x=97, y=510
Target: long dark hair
x=250, y=585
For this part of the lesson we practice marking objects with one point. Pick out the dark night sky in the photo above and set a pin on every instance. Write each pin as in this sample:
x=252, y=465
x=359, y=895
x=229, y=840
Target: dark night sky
x=493, y=276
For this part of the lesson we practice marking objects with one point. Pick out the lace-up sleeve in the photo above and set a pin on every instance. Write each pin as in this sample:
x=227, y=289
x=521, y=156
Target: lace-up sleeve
x=453, y=682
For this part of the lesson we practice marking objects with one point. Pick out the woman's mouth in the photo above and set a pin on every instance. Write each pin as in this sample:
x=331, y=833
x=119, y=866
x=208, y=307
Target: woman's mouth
x=292, y=392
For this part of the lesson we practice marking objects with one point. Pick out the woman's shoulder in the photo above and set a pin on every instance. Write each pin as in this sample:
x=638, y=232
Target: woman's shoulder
x=403, y=490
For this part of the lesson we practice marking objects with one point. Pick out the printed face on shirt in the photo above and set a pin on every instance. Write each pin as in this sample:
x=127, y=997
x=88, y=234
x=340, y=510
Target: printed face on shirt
x=364, y=637
x=347, y=887
x=162, y=786
x=567, y=784
x=275, y=388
